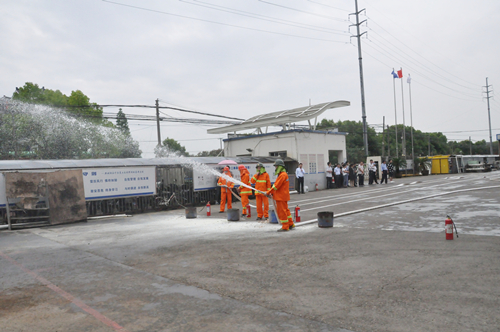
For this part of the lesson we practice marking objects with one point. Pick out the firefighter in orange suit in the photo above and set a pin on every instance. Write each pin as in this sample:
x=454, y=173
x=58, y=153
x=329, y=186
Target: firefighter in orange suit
x=262, y=183
x=244, y=191
x=225, y=191
x=281, y=194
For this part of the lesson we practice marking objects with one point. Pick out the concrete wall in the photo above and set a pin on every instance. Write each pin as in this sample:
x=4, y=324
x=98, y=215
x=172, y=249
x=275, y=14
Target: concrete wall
x=308, y=147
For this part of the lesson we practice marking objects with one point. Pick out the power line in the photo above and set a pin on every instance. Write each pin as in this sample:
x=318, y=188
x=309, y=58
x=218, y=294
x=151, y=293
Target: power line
x=420, y=63
x=264, y=17
x=220, y=23
x=149, y=106
x=186, y=140
x=402, y=28
x=467, y=131
x=303, y=11
x=395, y=58
x=382, y=52
x=322, y=4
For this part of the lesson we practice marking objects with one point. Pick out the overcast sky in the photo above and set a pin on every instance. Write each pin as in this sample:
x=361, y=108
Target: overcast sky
x=273, y=55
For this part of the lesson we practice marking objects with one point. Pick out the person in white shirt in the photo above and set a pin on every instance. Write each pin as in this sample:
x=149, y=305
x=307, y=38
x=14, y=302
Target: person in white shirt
x=338, y=175
x=383, y=168
x=345, y=173
x=372, y=169
x=299, y=174
x=329, y=173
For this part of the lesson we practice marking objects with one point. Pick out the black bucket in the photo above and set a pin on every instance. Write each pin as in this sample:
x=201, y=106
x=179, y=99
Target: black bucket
x=325, y=219
x=233, y=215
x=191, y=212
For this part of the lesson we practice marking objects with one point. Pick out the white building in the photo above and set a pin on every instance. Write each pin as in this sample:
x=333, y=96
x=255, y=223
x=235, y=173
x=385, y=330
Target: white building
x=306, y=145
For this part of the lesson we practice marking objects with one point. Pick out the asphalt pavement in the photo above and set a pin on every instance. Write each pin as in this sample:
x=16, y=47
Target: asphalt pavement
x=384, y=266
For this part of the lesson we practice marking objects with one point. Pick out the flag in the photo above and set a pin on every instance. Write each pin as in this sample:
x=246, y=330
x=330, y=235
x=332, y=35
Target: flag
x=394, y=75
x=400, y=73
x=409, y=79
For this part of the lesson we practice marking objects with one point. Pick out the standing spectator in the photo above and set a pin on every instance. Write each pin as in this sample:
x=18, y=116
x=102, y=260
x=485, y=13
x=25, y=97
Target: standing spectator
x=383, y=167
x=329, y=173
x=372, y=168
x=345, y=173
x=390, y=168
x=338, y=175
x=299, y=174
x=361, y=174
x=352, y=175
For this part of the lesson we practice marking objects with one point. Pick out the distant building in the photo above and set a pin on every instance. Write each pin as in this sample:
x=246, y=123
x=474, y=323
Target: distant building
x=304, y=145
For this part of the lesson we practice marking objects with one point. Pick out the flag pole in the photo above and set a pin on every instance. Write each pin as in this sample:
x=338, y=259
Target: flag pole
x=403, y=105
x=395, y=111
x=411, y=122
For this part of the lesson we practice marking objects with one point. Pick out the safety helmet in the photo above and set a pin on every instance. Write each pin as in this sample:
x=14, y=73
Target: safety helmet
x=226, y=169
x=259, y=165
x=241, y=167
x=279, y=162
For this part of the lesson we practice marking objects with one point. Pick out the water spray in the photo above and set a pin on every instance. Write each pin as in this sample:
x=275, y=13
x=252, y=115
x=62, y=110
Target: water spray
x=164, y=152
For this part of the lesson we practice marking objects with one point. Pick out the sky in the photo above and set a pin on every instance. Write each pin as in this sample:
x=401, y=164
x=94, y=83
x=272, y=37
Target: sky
x=242, y=58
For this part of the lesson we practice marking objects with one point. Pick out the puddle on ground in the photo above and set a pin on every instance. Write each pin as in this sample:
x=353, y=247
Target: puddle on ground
x=190, y=291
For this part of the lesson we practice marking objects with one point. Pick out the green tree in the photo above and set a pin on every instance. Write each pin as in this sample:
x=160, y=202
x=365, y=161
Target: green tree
x=354, y=138
x=438, y=142
x=212, y=153
x=80, y=105
x=122, y=123
x=76, y=104
x=174, y=147
x=30, y=131
x=465, y=147
x=33, y=94
x=29, y=93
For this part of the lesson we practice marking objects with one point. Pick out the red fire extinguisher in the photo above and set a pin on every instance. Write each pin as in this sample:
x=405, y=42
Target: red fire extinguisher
x=249, y=212
x=448, y=227
x=297, y=214
x=209, y=212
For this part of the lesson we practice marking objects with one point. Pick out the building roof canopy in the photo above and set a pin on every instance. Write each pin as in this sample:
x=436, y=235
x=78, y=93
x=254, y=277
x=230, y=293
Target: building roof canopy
x=281, y=118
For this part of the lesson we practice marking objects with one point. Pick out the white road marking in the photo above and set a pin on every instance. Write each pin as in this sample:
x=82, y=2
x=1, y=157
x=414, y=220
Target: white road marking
x=398, y=203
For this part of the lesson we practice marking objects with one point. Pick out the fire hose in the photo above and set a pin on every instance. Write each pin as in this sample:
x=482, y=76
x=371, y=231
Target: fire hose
x=261, y=192
x=238, y=197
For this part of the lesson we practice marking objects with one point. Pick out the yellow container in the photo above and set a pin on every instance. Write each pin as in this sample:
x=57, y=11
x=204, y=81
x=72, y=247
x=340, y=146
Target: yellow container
x=440, y=164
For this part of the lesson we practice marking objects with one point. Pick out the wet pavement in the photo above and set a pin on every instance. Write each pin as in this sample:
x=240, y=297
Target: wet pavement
x=387, y=269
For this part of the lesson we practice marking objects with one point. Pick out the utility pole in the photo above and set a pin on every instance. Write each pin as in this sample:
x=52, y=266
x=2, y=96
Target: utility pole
x=158, y=121
x=404, y=125
x=360, y=58
x=489, y=117
x=395, y=113
x=470, y=146
x=429, y=153
x=383, y=136
x=388, y=145
x=411, y=124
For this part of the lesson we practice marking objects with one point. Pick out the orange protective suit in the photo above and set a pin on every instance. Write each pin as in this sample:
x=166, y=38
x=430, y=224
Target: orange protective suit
x=225, y=192
x=244, y=191
x=262, y=183
x=281, y=194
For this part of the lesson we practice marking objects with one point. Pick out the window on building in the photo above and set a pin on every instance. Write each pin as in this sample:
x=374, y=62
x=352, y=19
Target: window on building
x=281, y=154
x=312, y=168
